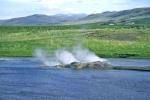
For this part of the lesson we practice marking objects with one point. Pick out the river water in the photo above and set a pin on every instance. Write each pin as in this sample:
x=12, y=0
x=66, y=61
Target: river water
x=25, y=79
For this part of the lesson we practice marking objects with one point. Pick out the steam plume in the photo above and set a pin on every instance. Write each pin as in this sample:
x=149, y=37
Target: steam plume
x=62, y=56
x=84, y=55
x=65, y=57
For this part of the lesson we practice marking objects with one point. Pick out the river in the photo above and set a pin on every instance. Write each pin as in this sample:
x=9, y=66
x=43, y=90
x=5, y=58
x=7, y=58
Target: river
x=25, y=79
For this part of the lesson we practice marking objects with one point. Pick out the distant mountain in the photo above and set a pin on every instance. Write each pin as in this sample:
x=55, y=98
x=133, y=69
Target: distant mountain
x=39, y=19
x=1, y=21
x=125, y=16
x=133, y=16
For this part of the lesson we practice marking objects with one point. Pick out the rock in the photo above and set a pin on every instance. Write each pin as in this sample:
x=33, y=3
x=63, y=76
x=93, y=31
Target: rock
x=91, y=65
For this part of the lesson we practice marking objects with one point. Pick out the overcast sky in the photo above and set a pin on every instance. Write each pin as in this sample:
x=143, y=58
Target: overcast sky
x=18, y=8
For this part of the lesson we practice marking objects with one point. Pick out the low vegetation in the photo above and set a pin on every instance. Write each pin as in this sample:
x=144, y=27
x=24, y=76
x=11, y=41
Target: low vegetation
x=105, y=40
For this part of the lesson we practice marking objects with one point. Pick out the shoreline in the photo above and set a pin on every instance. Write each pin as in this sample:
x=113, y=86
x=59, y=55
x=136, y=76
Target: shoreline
x=99, y=56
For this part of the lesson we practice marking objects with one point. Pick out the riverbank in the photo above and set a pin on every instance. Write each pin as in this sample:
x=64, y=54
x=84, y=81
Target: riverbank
x=132, y=68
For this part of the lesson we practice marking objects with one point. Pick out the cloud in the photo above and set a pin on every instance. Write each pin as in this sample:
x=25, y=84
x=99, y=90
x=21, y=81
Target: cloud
x=90, y=6
x=15, y=8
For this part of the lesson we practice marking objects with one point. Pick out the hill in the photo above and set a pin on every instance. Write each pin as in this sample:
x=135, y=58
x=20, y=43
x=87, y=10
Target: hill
x=132, y=16
x=39, y=19
x=137, y=15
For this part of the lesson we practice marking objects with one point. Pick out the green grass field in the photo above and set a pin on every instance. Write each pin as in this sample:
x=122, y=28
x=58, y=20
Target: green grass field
x=104, y=40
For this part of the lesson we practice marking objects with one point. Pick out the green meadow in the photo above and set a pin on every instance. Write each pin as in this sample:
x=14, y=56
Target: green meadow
x=118, y=41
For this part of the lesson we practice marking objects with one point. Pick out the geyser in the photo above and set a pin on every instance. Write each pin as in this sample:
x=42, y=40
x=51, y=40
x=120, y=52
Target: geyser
x=46, y=60
x=84, y=55
x=65, y=57
x=79, y=57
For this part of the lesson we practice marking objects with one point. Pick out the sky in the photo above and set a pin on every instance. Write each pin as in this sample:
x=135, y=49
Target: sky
x=19, y=8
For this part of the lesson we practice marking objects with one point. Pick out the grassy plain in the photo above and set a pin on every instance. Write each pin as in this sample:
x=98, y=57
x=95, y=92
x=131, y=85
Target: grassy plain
x=105, y=40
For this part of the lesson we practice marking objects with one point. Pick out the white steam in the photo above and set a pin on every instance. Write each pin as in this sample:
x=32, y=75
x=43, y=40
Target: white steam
x=65, y=57
x=62, y=56
x=84, y=55
x=45, y=59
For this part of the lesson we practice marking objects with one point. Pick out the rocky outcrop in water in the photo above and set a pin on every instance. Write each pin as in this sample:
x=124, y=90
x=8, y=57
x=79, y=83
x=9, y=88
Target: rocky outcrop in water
x=91, y=65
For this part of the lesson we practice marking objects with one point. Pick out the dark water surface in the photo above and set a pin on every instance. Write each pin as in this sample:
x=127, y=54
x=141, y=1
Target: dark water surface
x=25, y=79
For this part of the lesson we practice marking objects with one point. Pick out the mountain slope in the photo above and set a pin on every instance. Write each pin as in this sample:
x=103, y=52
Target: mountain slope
x=133, y=16
x=42, y=19
x=120, y=16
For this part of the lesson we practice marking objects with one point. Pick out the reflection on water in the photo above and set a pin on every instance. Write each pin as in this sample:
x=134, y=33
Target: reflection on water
x=24, y=79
